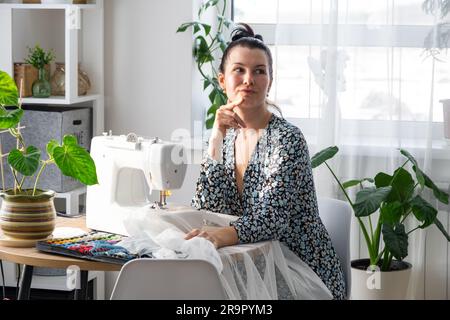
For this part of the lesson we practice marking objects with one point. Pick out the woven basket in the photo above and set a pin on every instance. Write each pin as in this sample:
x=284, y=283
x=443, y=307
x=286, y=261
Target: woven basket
x=29, y=74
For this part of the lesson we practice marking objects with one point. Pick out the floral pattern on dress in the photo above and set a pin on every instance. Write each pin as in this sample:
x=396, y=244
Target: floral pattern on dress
x=278, y=200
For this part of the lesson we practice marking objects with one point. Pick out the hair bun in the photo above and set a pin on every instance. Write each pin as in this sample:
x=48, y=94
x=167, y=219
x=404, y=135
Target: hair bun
x=243, y=30
x=259, y=37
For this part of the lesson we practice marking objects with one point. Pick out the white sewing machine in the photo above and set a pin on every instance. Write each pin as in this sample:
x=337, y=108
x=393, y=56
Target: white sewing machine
x=129, y=168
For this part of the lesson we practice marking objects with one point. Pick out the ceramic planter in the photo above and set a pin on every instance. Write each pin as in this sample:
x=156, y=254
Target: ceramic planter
x=27, y=217
x=377, y=285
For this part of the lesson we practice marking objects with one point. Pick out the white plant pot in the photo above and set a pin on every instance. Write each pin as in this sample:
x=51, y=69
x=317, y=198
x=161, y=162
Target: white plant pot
x=377, y=285
x=446, y=111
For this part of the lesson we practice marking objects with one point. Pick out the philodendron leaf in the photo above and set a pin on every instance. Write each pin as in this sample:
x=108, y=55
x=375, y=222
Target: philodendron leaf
x=9, y=119
x=391, y=212
x=438, y=193
x=396, y=240
x=25, y=163
x=442, y=229
x=382, y=180
x=368, y=200
x=51, y=145
x=70, y=140
x=423, y=211
x=74, y=161
x=419, y=175
x=9, y=95
x=402, y=186
x=322, y=156
x=352, y=183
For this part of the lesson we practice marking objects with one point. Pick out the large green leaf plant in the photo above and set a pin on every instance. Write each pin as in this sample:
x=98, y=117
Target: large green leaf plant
x=395, y=197
x=207, y=44
x=27, y=162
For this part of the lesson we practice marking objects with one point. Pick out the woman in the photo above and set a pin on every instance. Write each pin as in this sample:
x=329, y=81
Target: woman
x=258, y=167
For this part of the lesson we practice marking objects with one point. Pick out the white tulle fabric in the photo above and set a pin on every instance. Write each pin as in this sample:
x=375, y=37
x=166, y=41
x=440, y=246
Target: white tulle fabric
x=266, y=270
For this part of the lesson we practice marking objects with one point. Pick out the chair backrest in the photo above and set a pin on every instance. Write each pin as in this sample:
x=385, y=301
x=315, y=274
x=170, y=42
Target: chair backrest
x=168, y=279
x=336, y=216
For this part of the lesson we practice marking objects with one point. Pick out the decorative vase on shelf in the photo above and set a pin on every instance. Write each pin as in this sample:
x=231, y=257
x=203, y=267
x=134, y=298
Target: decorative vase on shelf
x=41, y=87
x=58, y=81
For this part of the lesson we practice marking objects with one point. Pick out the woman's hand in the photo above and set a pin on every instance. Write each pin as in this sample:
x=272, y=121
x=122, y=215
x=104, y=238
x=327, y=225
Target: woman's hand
x=226, y=118
x=220, y=237
x=208, y=235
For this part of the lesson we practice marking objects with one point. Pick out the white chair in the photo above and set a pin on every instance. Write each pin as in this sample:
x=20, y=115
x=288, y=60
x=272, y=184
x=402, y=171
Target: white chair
x=336, y=216
x=168, y=279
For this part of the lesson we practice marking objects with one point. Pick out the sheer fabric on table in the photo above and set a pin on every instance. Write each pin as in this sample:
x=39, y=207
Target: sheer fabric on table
x=266, y=270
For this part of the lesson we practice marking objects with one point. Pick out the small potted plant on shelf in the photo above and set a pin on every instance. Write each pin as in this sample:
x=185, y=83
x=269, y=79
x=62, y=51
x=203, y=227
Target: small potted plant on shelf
x=30, y=213
x=395, y=197
x=39, y=58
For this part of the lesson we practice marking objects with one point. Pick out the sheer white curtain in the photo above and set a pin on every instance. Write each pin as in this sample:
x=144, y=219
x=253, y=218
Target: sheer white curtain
x=354, y=74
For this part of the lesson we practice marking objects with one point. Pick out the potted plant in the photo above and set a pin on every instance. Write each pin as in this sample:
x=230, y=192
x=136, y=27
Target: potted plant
x=206, y=45
x=39, y=58
x=395, y=197
x=30, y=213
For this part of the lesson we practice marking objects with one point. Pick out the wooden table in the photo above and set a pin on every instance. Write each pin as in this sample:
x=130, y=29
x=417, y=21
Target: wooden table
x=31, y=257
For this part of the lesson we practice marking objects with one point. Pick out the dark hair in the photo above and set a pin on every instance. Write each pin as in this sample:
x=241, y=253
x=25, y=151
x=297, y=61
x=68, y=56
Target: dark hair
x=244, y=36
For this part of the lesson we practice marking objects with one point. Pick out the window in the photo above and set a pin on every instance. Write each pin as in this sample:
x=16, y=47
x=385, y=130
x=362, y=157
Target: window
x=386, y=75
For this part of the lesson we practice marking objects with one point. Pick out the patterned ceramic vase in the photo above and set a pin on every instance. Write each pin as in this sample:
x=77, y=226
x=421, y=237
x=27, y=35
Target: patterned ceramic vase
x=27, y=217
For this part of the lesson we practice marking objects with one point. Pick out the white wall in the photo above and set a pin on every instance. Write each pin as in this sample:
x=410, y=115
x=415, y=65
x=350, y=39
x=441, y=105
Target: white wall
x=147, y=67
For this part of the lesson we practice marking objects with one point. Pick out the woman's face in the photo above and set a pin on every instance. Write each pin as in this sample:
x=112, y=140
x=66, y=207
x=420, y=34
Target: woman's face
x=246, y=74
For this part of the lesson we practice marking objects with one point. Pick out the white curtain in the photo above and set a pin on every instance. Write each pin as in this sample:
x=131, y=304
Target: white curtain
x=354, y=73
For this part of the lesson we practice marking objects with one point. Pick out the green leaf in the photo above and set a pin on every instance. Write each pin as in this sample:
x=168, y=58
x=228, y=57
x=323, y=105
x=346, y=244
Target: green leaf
x=70, y=139
x=352, y=183
x=206, y=83
x=209, y=122
x=25, y=163
x=51, y=145
x=391, y=212
x=75, y=162
x=402, y=186
x=207, y=28
x=212, y=95
x=9, y=95
x=368, y=200
x=438, y=193
x=396, y=240
x=418, y=173
x=442, y=229
x=9, y=119
x=196, y=28
x=423, y=211
x=382, y=180
x=184, y=26
x=219, y=99
x=202, y=52
x=212, y=110
x=323, y=155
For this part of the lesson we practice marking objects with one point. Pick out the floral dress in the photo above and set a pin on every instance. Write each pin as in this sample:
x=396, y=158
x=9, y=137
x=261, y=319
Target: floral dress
x=278, y=200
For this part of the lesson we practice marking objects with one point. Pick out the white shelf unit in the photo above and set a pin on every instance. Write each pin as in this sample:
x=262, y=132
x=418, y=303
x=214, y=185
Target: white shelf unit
x=74, y=32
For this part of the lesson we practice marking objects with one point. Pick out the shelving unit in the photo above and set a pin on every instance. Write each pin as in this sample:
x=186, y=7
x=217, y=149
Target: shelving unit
x=74, y=32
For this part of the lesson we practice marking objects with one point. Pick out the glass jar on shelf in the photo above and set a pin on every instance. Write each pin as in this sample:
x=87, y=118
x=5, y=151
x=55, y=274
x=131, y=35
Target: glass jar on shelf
x=58, y=81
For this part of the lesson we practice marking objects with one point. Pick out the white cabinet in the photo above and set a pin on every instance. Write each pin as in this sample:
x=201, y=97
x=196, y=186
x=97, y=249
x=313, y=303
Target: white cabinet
x=74, y=32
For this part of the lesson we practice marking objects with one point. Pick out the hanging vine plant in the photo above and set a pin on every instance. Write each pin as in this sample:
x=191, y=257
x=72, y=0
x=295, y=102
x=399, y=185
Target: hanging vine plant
x=207, y=44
